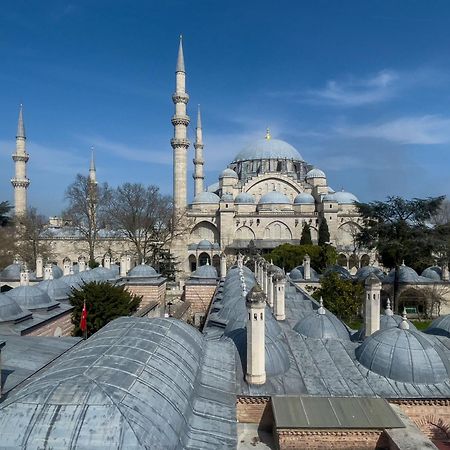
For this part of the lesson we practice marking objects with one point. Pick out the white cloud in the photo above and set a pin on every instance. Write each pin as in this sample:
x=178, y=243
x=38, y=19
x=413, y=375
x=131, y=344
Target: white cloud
x=427, y=129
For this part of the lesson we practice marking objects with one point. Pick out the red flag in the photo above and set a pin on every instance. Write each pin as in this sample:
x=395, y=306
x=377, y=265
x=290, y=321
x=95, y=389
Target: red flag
x=83, y=321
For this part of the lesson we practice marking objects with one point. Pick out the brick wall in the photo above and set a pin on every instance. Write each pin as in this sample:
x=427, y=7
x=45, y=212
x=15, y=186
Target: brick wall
x=149, y=294
x=255, y=410
x=59, y=326
x=199, y=296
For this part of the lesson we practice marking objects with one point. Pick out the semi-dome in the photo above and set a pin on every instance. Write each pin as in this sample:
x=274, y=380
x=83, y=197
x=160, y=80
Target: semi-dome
x=268, y=149
x=315, y=173
x=228, y=173
x=244, y=197
x=57, y=289
x=10, y=310
x=143, y=271
x=345, y=198
x=433, y=272
x=31, y=297
x=440, y=326
x=274, y=197
x=405, y=355
x=206, y=197
x=205, y=272
x=304, y=199
x=322, y=325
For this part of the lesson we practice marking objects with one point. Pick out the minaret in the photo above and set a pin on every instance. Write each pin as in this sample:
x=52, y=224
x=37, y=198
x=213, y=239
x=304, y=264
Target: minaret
x=20, y=181
x=198, y=157
x=180, y=143
x=92, y=171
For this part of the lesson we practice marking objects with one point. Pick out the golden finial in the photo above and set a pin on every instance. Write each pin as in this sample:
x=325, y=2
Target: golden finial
x=268, y=136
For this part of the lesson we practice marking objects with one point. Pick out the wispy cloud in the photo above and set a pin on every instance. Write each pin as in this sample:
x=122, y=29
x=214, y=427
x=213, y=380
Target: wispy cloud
x=427, y=129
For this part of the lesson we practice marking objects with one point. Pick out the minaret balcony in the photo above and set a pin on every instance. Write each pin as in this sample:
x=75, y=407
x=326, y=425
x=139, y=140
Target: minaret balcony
x=198, y=161
x=180, y=120
x=22, y=158
x=179, y=142
x=180, y=97
x=20, y=182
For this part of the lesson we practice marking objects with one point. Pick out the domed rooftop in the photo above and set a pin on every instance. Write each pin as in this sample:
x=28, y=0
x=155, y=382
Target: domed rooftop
x=315, y=173
x=10, y=310
x=345, y=198
x=12, y=272
x=205, y=272
x=329, y=198
x=205, y=245
x=297, y=274
x=57, y=271
x=227, y=197
x=322, y=325
x=440, y=326
x=274, y=197
x=405, y=355
x=434, y=273
x=31, y=297
x=304, y=199
x=206, y=197
x=363, y=272
x=405, y=275
x=88, y=275
x=57, y=289
x=228, y=173
x=268, y=148
x=103, y=274
x=341, y=271
x=143, y=271
x=244, y=197
x=73, y=280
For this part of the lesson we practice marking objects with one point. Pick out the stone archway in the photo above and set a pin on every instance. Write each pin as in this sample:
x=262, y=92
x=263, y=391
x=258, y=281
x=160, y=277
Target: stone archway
x=192, y=262
x=203, y=259
x=435, y=428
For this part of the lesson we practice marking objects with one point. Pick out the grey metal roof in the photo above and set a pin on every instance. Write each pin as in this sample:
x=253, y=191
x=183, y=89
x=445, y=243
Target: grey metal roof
x=345, y=198
x=386, y=321
x=433, y=272
x=57, y=289
x=143, y=270
x=315, y=173
x=440, y=326
x=274, y=197
x=205, y=271
x=304, y=198
x=333, y=412
x=322, y=326
x=139, y=383
x=298, y=274
x=31, y=297
x=341, y=271
x=206, y=197
x=268, y=149
x=363, y=272
x=244, y=198
x=228, y=173
x=10, y=310
x=405, y=275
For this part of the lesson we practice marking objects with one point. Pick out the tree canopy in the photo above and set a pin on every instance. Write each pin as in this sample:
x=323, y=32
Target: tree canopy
x=5, y=209
x=305, y=239
x=324, y=233
x=104, y=302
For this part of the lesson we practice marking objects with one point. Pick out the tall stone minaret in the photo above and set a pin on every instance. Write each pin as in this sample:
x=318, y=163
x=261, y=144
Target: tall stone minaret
x=92, y=171
x=180, y=142
x=198, y=158
x=20, y=181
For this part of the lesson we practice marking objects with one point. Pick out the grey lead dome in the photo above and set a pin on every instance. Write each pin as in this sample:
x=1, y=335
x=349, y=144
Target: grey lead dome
x=268, y=149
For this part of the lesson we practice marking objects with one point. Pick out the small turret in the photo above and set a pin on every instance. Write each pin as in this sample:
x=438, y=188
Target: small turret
x=279, y=289
x=39, y=267
x=24, y=277
x=372, y=304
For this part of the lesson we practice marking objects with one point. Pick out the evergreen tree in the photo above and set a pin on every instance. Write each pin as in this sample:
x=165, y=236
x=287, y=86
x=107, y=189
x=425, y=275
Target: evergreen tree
x=104, y=302
x=306, y=235
x=324, y=233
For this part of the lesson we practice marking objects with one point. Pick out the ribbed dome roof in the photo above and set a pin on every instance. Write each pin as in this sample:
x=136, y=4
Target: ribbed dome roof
x=440, y=326
x=204, y=245
x=405, y=355
x=73, y=280
x=244, y=197
x=143, y=271
x=341, y=271
x=304, y=198
x=268, y=149
x=12, y=272
x=386, y=322
x=345, y=198
x=57, y=271
x=206, y=197
x=228, y=173
x=434, y=273
x=295, y=275
x=322, y=326
x=10, y=310
x=315, y=173
x=405, y=275
x=102, y=273
x=363, y=272
x=274, y=197
x=329, y=198
x=298, y=273
x=56, y=289
x=31, y=297
x=205, y=272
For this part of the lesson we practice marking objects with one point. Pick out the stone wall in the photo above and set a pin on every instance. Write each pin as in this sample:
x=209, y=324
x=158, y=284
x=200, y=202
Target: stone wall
x=149, y=293
x=255, y=410
x=58, y=326
x=199, y=296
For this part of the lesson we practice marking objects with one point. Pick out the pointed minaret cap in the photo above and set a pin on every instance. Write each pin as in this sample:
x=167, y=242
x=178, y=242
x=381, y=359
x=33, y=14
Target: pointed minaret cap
x=199, y=117
x=388, y=310
x=404, y=325
x=180, y=60
x=92, y=166
x=20, y=124
x=321, y=309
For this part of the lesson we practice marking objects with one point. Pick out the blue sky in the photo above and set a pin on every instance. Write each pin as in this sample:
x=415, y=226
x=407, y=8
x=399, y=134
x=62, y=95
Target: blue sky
x=360, y=88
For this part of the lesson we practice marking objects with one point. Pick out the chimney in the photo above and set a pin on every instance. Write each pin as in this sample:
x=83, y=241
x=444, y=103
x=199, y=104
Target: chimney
x=123, y=266
x=270, y=288
x=372, y=304
x=256, y=353
x=24, y=277
x=223, y=265
x=279, y=289
x=2, y=344
x=445, y=274
x=107, y=261
x=67, y=264
x=39, y=267
x=48, y=272
x=307, y=267
x=81, y=264
x=128, y=262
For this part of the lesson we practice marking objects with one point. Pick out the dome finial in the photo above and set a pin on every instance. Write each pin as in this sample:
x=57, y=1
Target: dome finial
x=404, y=325
x=321, y=309
x=268, y=136
x=388, y=310
x=403, y=263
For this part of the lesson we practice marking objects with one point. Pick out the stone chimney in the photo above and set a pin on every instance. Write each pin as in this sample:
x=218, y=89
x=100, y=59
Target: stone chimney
x=445, y=274
x=270, y=295
x=67, y=264
x=256, y=353
x=39, y=267
x=307, y=267
x=107, y=261
x=24, y=277
x=128, y=262
x=81, y=264
x=264, y=277
x=123, y=266
x=279, y=289
x=48, y=272
x=2, y=344
x=223, y=265
x=372, y=304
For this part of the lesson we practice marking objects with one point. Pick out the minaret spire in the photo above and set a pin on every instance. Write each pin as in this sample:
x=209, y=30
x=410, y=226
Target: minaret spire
x=180, y=142
x=20, y=157
x=92, y=171
x=198, y=158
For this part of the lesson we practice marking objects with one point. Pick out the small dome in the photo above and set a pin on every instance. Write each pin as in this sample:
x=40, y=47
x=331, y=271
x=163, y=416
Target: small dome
x=205, y=272
x=345, y=198
x=405, y=275
x=329, y=198
x=274, y=197
x=268, y=149
x=11, y=272
x=440, y=326
x=304, y=199
x=322, y=325
x=228, y=173
x=103, y=274
x=31, y=297
x=10, y=310
x=56, y=289
x=143, y=271
x=315, y=173
x=57, y=271
x=434, y=273
x=341, y=271
x=405, y=355
x=297, y=274
x=363, y=272
x=227, y=197
x=206, y=197
x=73, y=280
x=244, y=197
x=88, y=276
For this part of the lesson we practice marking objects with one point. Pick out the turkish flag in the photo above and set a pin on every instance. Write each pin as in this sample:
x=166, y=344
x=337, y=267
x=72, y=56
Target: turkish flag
x=83, y=321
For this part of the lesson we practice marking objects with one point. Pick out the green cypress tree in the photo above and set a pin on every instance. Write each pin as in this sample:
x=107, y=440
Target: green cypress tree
x=306, y=235
x=324, y=233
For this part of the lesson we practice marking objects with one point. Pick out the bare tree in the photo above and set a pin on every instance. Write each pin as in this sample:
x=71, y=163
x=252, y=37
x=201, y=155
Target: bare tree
x=87, y=209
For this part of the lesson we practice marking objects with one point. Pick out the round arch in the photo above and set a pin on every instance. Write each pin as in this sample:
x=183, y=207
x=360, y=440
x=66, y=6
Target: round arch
x=278, y=231
x=245, y=233
x=204, y=231
x=203, y=259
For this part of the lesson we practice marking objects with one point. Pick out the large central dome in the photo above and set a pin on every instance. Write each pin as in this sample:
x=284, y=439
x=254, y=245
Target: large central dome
x=268, y=149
